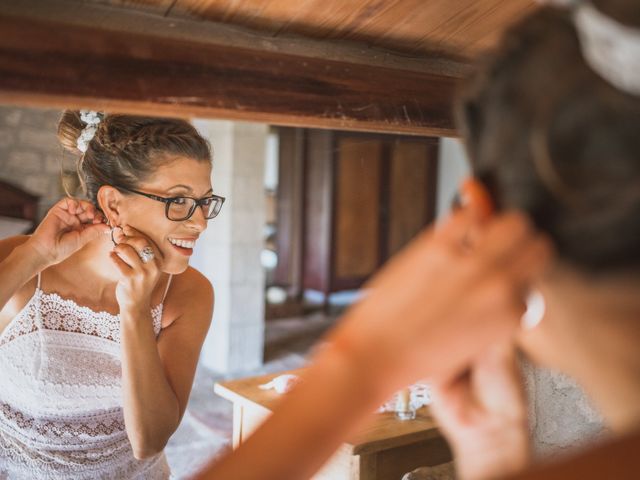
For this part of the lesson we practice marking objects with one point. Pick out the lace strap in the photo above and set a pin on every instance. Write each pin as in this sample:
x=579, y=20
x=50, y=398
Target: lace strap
x=167, y=288
x=38, y=285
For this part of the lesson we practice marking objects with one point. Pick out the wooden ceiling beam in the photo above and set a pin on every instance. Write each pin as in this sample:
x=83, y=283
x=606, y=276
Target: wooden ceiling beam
x=116, y=60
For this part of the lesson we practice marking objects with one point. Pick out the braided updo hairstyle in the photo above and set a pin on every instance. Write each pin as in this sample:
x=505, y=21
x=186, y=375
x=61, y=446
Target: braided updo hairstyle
x=547, y=135
x=127, y=149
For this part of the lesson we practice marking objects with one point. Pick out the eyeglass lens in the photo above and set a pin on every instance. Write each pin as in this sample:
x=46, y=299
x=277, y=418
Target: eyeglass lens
x=183, y=207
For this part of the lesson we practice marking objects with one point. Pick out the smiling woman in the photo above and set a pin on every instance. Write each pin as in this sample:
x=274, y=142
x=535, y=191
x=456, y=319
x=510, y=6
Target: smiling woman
x=101, y=334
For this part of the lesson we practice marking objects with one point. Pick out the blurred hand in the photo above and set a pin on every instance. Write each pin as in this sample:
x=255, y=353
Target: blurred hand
x=483, y=414
x=68, y=226
x=442, y=301
x=138, y=279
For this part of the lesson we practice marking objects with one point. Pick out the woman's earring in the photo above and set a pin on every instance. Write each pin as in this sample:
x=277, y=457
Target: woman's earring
x=535, y=310
x=113, y=227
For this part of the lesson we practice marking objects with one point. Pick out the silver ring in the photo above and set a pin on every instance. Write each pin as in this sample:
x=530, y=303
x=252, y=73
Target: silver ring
x=146, y=254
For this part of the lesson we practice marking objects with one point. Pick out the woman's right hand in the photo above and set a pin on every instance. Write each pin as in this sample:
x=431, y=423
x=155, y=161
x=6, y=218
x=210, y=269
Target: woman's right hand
x=68, y=226
x=453, y=292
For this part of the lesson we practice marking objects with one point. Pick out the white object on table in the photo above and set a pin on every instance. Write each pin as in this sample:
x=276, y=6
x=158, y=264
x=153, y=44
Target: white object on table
x=281, y=384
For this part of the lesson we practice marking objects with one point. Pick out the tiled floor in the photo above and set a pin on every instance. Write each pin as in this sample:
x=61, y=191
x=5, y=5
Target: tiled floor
x=205, y=431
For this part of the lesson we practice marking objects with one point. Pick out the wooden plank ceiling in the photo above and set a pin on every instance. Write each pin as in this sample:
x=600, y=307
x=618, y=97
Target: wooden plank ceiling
x=456, y=29
x=375, y=65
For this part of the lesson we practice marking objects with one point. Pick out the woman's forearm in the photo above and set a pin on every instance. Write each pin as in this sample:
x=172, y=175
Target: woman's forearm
x=151, y=409
x=308, y=425
x=20, y=266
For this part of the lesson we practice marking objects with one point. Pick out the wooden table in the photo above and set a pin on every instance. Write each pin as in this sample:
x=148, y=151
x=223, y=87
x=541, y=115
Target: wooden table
x=383, y=450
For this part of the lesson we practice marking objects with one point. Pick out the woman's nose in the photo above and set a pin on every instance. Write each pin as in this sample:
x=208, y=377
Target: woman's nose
x=198, y=220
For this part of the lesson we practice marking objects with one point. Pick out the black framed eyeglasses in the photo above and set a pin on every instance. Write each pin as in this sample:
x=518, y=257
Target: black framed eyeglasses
x=182, y=208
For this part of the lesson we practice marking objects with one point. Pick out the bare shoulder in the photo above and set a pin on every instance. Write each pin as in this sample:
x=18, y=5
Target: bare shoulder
x=8, y=244
x=191, y=294
x=191, y=280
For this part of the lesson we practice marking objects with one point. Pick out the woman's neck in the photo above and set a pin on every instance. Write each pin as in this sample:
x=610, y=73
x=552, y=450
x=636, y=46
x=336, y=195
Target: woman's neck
x=600, y=334
x=93, y=262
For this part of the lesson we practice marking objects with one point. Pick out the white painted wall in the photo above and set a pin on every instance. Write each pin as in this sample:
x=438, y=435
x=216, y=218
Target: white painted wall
x=228, y=253
x=453, y=167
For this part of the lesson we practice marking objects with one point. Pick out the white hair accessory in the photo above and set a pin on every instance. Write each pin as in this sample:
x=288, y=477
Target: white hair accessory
x=610, y=48
x=92, y=119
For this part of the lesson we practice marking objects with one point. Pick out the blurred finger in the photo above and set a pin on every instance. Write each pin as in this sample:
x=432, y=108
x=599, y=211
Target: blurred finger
x=85, y=217
x=452, y=398
x=73, y=206
x=454, y=231
x=86, y=211
x=132, y=232
x=128, y=254
x=497, y=381
x=142, y=240
x=502, y=237
x=532, y=260
x=118, y=235
x=122, y=266
x=142, y=246
x=99, y=217
x=69, y=220
x=491, y=313
x=137, y=242
x=92, y=231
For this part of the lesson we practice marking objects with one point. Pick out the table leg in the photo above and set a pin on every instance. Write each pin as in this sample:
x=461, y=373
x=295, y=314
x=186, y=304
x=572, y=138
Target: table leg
x=238, y=413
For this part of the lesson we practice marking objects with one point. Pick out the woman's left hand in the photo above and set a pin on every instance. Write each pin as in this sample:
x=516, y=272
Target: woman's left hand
x=138, y=278
x=483, y=413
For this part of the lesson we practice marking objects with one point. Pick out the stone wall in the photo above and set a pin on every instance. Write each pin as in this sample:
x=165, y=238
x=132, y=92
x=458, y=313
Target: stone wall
x=562, y=417
x=30, y=154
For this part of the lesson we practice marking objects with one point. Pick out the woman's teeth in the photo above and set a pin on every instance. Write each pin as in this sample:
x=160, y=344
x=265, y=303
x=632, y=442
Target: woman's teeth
x=182, y=243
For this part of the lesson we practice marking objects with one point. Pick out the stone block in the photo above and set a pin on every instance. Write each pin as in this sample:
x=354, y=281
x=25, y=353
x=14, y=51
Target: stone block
x=46, y=120
x=249, y=192
x=25, y=161
x=245, y=265
x=248, y=228
x=7, y=137
x=246, y=349
x=38, y=185
x=53, y=163
x=222, y=185
x=10, y=116
x=43, y=140
x=218, y=230
x=247, y=304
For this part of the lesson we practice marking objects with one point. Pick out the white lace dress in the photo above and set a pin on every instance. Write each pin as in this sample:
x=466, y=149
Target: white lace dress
x=61, y=411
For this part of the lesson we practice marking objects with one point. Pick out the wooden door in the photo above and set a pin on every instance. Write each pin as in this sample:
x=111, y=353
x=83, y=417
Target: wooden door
x=357, y=204
x=412, y=189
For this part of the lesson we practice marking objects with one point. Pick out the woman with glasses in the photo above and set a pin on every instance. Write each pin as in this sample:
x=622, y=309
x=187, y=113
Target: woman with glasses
x=551, y=122
x=99, y=331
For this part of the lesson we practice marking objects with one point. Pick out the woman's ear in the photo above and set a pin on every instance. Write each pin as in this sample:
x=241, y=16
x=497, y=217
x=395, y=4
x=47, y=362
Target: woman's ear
x=475, y=197
x=109, y=201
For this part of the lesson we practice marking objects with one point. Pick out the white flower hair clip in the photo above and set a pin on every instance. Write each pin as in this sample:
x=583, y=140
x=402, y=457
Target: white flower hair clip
x=610, y=48
x=92, y=119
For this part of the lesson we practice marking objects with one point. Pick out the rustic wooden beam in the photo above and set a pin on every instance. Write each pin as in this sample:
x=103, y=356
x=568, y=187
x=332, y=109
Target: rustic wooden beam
x=56, y=61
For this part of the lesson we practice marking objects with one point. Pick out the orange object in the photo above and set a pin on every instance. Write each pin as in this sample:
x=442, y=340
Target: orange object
x=474, y=193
